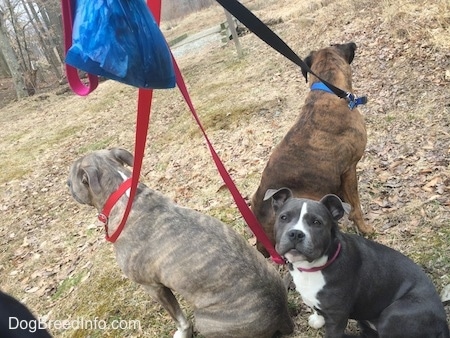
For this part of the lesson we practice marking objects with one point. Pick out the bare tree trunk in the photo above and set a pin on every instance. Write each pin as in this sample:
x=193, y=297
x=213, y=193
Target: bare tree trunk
x=11, y=60
x=53, y=22
x=4, y=69
x=17, y=35
x=46, y=44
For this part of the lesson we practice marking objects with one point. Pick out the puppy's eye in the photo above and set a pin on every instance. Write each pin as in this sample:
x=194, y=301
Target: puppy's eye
x=317, y=222
x=283, y=217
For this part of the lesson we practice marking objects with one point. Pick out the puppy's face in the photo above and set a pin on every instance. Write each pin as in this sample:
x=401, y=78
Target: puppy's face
x=304, y=229
x=93, y=177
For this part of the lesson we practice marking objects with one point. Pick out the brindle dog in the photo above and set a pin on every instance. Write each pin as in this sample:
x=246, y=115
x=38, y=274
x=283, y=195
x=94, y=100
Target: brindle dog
x=319, y=154
x=233, y=290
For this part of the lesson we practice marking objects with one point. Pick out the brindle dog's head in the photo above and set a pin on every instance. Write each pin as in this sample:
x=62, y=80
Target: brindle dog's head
x=95, y=176
x=332, y=64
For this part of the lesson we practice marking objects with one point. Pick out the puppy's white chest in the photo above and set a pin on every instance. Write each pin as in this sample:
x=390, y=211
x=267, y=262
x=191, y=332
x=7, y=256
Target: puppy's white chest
x=308, y=284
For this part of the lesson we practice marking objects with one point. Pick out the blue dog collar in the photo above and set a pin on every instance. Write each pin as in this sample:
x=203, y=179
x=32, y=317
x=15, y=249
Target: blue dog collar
x=321, y=86
x=352, y=100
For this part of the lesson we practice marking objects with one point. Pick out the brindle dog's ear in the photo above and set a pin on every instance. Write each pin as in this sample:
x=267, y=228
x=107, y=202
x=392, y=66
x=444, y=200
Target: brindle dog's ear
x=334, y=205
x=308, y=61
x=123, y=156
x=348, y=50
x=90, y=178
x=279, y=197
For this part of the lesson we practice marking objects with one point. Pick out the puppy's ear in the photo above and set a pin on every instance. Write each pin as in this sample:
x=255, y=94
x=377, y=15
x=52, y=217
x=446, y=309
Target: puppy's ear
x=308, y=61
x=90, y=178
x=348, y=51
x=336, y=207
x=123, y=156
x=279, y=197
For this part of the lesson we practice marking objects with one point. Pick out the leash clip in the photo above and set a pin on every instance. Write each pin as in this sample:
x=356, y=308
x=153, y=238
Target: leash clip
x=279, y=260
x=354, y=101
x=103, y=218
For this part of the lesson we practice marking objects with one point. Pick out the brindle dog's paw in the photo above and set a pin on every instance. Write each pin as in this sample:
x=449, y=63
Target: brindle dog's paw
x=183, y=333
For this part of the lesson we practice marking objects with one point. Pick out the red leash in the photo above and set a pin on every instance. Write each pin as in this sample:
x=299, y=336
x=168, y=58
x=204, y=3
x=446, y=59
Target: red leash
x=142, y=123
x=248, y=215
x=71, y=72
x=143, y=118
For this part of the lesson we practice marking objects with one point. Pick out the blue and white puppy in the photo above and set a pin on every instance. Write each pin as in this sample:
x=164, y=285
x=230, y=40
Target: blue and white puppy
x=344, y=276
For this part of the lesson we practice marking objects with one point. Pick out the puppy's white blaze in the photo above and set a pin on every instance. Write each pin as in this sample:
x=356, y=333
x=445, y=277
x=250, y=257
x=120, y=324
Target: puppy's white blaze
x=316, y=321
x=300, y=225
x=308, y=284
x=124, y=177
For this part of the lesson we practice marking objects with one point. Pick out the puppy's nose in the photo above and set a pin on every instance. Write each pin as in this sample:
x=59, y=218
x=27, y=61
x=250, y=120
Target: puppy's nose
x=296, y=236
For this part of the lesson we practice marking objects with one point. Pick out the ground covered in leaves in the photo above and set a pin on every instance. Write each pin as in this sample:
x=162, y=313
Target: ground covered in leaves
x=52, y=253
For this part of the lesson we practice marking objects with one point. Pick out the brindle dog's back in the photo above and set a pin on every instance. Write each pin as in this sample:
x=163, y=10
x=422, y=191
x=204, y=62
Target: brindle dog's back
x=164, y=247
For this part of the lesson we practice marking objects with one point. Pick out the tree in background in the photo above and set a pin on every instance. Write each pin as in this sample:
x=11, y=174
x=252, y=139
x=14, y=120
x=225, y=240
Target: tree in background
x=31, y=43
x=11, y=59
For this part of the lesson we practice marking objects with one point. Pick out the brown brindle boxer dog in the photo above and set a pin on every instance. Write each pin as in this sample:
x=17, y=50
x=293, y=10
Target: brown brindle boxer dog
x=319, y=154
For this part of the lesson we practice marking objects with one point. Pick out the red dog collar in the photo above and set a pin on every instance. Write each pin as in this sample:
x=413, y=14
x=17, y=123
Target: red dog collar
x=318, y=268
x=103, y=216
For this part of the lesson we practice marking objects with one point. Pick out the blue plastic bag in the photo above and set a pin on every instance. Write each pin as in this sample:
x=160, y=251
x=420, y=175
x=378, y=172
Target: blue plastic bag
x=120, y=40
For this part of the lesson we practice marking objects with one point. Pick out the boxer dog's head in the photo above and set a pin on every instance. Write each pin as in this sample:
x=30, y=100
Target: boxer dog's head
x=304, y=229
x=332, y=63
x=95, y=176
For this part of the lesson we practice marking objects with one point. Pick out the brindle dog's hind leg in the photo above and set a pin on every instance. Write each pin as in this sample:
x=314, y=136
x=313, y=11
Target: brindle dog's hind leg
x=166, y=298
x=349, y=186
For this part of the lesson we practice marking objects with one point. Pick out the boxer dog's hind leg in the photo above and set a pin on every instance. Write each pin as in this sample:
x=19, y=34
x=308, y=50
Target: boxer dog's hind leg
x=349, y=187
x=165, y=297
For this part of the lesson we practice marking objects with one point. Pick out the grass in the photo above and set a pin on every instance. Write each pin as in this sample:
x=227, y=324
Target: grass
x=27, y=145
x=415, y=18
x=67, y=284
x=221, y=118
x=97, y=145
x=16, y=170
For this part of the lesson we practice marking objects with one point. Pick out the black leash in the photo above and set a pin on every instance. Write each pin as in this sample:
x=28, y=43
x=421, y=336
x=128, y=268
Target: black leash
x=254, y=24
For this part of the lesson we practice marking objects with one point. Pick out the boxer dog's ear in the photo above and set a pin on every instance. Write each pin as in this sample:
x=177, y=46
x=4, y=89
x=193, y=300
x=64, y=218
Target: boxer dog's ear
x=279, y=197
x=308, y=61
x=335, y=206
x=348, y=51
x=122, y=156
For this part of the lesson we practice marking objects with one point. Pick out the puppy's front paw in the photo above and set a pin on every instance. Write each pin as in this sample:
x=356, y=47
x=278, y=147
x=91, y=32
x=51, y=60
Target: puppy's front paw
x=316, y=321
x=186, y=333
